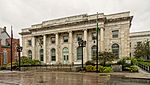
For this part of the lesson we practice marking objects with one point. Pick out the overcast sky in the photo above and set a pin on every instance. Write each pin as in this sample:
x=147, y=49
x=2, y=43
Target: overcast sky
x=24, y=13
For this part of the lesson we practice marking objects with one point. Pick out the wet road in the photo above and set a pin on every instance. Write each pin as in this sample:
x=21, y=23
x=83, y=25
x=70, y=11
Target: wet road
x=51, y=78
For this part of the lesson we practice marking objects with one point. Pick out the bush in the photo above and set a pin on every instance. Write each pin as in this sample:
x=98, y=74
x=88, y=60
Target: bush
x=107, y=69
x=101, y=69
x=90, y=63
x=89, y=68
x=133, y=61
x=133, y=69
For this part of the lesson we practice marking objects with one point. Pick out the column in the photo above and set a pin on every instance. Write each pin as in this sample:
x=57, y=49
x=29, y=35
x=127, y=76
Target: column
x=71, y=59
x=57, y=48
x=85, y=54
x=102, y=39
x=44, y=47
x=33, y=48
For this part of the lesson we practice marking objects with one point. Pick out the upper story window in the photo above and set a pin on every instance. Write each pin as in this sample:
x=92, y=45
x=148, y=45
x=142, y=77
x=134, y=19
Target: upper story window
x=93, y=35
x=139, y=43
x=79, y=36
x=115, y=33
x=29, y=43
x=65, y=38
x=52, y=39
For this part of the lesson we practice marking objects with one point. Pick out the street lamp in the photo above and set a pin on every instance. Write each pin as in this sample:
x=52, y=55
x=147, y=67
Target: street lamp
x=82, y=44
x=19, y=49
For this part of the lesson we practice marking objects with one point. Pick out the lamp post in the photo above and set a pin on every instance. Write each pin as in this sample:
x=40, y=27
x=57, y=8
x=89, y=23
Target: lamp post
x=147, y=49
x=82, y=44
x=19, y=49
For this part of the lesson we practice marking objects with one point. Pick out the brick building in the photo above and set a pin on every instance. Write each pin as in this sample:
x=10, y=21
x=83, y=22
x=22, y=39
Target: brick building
x=5, y=42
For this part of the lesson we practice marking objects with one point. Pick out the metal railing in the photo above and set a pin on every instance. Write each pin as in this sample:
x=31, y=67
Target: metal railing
x=144, y=67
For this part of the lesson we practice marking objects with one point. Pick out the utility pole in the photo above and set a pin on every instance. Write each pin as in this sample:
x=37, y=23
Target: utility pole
x=97, y=43
x=11, y=47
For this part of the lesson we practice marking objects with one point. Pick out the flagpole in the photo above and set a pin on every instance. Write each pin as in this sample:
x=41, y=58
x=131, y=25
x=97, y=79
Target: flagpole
x=97, y=43
x=11, y=46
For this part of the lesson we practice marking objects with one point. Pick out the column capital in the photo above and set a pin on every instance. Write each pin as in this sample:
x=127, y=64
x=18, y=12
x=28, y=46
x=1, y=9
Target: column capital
x=69, y=31
x=85, y=29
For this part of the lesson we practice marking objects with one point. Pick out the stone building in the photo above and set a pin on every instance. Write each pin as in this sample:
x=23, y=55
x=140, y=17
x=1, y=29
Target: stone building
x=56, y=41
x=138, y=38
x=5, y=40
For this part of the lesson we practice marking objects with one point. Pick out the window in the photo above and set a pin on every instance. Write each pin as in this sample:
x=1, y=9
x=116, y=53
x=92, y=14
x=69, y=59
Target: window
x=115, y=49
x=79, y=36
x=29, y=43
x=52, y=39
x=93, y=35
x=139, y=43
x=41, y=55
x=30, y=54
x=93, y=51
x=115, y=34
x=5, y=57
x=53, y=54
x=65, y=38
x=65, y=54
x=79, y=53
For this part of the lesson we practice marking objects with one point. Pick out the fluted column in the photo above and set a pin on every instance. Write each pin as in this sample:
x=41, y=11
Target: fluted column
x=70, y=48
x=33, y=48
x=102, y=39
x=85, y=56
x=44, y=47
x=57, y=48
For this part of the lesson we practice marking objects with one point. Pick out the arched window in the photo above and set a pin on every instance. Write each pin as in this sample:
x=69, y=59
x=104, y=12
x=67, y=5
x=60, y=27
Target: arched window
x=41, y=55
x=115, y=49
x=79, y=53
x=53, y=54
x=65, y=54
x=93, y=51
x=30, y=54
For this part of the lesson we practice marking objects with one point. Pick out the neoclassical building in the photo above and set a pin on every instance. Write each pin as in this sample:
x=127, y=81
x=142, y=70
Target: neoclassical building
x=138, y=38
x=56, y=41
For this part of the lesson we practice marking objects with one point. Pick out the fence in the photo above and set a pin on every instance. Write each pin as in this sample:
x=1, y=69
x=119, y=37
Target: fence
x=145, y=67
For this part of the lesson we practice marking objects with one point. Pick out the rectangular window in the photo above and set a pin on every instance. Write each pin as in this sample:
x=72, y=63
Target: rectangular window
x=65, y=38
x=115, y=33
x=53, y=40
x=79, y=36
x=29, y=43
x=93, y=35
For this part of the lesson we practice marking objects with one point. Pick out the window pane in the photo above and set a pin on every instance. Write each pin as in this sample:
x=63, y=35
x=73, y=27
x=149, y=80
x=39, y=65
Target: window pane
x=52, y=39
x=93, y=35
x=41, y=55
x=115, y=33
x=93, y=52
x=79, y=36
x=53, y=55
x=30, y=54
x=115, y=49
x=79, y=53
x=29, y=43
x=65, y=38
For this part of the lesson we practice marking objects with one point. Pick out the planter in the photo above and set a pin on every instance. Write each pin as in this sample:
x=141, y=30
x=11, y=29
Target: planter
x=116, y=68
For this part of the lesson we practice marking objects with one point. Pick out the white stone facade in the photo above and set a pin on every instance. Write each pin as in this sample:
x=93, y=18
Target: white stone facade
x=138, y=37
x=72, y=27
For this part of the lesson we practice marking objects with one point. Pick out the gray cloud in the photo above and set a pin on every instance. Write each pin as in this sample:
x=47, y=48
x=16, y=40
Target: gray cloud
x=23, y=13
